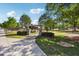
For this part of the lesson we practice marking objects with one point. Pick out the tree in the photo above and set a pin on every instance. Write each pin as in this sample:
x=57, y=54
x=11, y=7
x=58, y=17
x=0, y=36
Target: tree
x=49, y=24
x=25, y=22
x=55, y=11
x=0, y=25
x=72, y=13
x=18, y=25
x=42, y=19
x=11, y=23
x=5, y=25
x=63, y=11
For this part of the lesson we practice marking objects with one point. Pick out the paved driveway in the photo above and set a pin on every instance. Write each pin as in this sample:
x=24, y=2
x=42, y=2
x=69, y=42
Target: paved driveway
x=24, y=47
x=3, y=41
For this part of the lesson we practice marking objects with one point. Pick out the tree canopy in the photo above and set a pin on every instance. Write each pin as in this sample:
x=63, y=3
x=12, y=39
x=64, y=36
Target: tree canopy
x=63, y=14
x=25, y=22
x=25, y=19
x=10, y=24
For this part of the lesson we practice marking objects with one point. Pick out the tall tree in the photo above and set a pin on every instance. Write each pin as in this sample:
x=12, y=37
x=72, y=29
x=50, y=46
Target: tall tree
x=18, y=25
x=5, y=25
x=11, y=23
x=25, y=22
x=73, y=14
x=49, y=24
x=43, y=18
x=63, y=11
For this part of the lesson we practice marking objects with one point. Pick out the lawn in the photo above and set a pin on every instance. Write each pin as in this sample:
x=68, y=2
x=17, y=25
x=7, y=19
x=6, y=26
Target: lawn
x=13, y=34
x=51, y=48
x=59, y=33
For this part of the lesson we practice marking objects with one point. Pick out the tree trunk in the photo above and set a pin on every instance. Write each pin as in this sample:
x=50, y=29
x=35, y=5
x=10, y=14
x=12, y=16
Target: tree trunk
x=40, y=30
x=27, y=29
x=74, y=25
x=53, y=26
x=63, y=26
x=6, y=31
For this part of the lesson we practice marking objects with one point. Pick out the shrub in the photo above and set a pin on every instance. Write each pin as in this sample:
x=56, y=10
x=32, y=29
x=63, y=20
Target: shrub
x=48, y=35
x=22, y=33
x=19, y=32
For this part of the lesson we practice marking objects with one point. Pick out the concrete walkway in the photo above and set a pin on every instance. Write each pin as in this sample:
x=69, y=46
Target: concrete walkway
x=24, y=47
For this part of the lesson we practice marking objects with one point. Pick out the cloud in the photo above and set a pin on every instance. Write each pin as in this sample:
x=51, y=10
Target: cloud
x=17, y=18
x=3, y=19
x=36, y=11
x=11, y=14
x=35, y=22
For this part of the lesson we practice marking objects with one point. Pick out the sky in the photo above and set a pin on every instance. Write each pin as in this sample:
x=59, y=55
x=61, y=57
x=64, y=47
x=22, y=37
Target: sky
x=33, y=10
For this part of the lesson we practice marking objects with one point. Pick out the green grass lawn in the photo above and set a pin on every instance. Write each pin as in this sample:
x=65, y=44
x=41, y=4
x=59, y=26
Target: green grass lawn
x=13, y=34
x=51, y=48
x=59, y=33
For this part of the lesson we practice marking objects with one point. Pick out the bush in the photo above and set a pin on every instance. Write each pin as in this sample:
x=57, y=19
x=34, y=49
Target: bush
x=22, y=33
x=48, y=35
x=19, y=32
